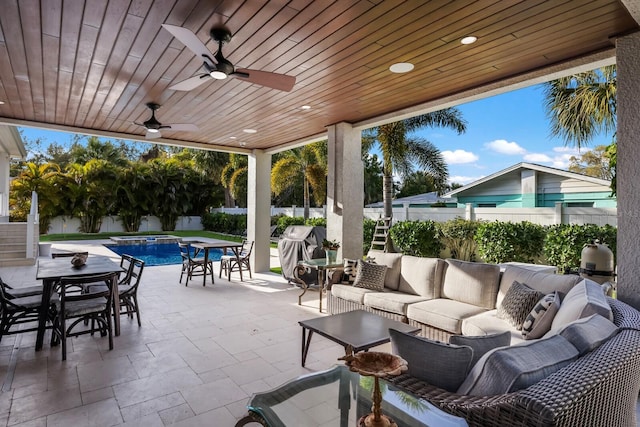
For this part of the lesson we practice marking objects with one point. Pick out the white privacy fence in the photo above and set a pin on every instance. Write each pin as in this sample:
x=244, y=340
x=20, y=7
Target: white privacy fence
x=542, y=216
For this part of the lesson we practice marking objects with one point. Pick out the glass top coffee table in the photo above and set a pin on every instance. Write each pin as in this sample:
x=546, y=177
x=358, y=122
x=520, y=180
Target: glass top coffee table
x=339, y=397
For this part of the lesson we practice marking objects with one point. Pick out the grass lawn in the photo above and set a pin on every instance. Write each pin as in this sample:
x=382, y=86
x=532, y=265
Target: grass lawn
x=92, y=236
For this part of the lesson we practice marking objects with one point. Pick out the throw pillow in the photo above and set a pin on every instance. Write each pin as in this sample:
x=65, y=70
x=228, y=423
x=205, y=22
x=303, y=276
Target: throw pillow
x=370, y=276
x=482, y=344
x=518, y=303
x=589, y=333
x=349, y=271
x=538, y=322
x=508, y=369
x=583, y=300
x=442, y=365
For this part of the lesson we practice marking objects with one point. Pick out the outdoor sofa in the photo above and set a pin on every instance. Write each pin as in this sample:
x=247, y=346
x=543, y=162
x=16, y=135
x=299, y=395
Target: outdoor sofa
x=446, y=298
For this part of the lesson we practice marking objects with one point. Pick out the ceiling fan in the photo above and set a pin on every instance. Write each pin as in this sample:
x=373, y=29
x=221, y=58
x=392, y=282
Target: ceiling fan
x=154, y=127
x=218, y=67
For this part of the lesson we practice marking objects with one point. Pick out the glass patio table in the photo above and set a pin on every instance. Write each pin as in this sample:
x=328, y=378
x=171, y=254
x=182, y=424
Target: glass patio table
x=339, y=397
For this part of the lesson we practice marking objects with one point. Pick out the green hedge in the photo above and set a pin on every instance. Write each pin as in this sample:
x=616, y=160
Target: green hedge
x=507, y=241
x=564, y=242
x=225, y=223
x=417, y=238
x=457, y=235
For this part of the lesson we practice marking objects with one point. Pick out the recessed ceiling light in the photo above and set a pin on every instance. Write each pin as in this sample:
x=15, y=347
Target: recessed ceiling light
x=401, y=67
x=305, y=107
x=249, y=131
x=1, y=102
x=232, y=137
x=468, y=40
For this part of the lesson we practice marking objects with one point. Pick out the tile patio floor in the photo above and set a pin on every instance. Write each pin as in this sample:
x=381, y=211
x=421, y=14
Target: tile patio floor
x=199, y=355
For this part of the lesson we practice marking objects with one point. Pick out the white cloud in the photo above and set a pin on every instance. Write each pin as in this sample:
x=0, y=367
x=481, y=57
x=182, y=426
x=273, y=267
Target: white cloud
x=562, y=161
x=568, y=150
x=504, y=147
x=458, y=157
x=464, y=179
x=537, y=157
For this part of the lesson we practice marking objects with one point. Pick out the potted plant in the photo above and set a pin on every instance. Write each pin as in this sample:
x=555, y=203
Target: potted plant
x=331, y=249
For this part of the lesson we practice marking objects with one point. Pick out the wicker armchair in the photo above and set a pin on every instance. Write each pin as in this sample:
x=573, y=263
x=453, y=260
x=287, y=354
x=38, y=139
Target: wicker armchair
x=599, y=389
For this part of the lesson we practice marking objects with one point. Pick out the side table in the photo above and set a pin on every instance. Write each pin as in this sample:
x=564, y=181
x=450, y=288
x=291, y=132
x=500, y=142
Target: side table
x=321, y=266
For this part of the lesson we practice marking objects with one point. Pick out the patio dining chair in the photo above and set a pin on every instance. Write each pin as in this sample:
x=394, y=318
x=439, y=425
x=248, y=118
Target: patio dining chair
x=192, y=264
x=230, y=263
x=95, y=307
x=26, y=291
x=127, y=286
x=18, y=311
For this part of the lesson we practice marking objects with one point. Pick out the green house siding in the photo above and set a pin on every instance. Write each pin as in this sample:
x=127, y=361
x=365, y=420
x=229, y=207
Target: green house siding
x=544, y=200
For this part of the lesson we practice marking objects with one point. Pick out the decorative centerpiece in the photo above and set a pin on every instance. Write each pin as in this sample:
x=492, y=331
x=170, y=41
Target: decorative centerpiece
x=78, y=260
x=331, y=249
x=377, y=365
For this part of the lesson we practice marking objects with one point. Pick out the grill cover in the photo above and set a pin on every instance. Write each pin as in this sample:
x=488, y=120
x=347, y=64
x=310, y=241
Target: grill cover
x=300, y=242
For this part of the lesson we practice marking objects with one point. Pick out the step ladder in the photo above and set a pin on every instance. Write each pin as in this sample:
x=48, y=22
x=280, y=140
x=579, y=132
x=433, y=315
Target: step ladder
x=381, y=235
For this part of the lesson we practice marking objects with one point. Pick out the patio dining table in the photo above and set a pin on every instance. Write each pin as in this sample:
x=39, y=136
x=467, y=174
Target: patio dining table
x=52, y=270
x=235, y=247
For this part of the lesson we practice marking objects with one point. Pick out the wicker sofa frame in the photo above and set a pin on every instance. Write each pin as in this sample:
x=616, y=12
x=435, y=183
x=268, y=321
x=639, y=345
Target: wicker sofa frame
x=599, y=389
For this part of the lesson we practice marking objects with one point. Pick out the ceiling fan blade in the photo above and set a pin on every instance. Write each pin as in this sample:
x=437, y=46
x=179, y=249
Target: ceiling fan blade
x=189, y=84
x=264, y=78
x=190, y=40
x=187, y=127
x=152, y=135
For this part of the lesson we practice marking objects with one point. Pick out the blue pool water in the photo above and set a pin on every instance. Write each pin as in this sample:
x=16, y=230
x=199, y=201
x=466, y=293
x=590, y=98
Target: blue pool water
x=158, y=253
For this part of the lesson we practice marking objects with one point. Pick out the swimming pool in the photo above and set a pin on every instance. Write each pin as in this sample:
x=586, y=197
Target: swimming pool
x=157, y=253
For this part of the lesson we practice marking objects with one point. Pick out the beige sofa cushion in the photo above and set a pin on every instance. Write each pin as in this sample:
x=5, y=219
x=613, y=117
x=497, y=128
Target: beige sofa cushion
x=391, y=301
x=350, y=293
x=583, y=300
x=471, y=282
x=392, y=261
x=543, y=282
x=421, y=276
x=487, y=323
x=441, y=313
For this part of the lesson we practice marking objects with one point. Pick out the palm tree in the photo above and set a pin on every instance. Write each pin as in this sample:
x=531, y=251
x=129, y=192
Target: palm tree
x=401, y=152
x=213, y=163
x=234, y=177
x=581, y=105
x=43, y=179
x=310, y=164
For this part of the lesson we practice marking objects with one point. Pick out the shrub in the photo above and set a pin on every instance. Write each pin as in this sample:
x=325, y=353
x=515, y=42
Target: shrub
x=507, y=241
x=564, y=242
x=285, y=221
x=316, y=222
x=221, y=222
x=457, y=235
x=368, y=227
x=417, y=238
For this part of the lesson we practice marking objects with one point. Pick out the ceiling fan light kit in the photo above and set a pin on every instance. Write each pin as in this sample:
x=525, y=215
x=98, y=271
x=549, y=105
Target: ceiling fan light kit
x=154, y=127
x=218, y=67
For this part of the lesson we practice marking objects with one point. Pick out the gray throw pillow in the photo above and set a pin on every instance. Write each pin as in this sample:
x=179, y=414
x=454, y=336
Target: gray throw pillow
x=538, y=322
x=482, y=344
x=508, y=369
x=518, y=303
x=370, y=276
x=439, y=364
x=589, y=333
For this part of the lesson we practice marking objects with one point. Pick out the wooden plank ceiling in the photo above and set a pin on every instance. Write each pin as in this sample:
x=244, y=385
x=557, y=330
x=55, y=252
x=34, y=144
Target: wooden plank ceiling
x=94, y=64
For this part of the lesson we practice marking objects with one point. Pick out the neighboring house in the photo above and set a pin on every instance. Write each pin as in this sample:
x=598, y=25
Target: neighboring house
x=530, y=185
x=423, y=200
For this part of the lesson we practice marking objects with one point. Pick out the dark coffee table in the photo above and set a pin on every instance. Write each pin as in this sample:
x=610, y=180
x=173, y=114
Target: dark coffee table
x=359, y=329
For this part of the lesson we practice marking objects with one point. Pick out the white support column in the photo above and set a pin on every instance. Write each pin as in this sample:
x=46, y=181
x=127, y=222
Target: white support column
x=558, y=213
x=628, y=174
x=345, y=189
x=4, y=186
x=258, y=208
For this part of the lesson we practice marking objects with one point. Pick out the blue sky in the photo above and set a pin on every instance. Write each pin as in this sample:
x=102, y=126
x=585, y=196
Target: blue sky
x=502, y=130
